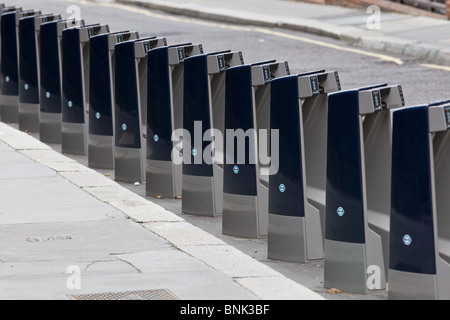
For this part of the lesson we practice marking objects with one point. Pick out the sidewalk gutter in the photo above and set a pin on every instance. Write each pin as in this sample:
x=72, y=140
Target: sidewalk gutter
x=355, y=36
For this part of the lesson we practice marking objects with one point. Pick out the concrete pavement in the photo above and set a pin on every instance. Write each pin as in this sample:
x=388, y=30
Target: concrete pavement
x=414, y=36
x=64, y=225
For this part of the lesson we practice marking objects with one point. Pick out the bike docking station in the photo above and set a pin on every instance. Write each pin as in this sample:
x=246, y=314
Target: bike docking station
x=9, y=99
x=164, y=116
x=299, y=113
x=101, y=97
x=203, y=121
x=50, y=73
x=75, y=87
x=419, y=229
x=29, y=57
x=358, y=187
x=246, y=173
x=4, y=10
x=130, y=107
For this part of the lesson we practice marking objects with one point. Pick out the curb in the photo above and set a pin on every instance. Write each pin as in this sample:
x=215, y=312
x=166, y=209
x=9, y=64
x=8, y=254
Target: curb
x=254, y=276
x=354, y=36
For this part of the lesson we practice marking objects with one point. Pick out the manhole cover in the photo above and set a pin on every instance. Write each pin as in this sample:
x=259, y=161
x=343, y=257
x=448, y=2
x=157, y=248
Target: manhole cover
x=131, y=295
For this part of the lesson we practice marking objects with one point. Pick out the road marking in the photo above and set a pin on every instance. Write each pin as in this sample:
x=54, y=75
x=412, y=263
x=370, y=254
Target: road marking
x=434, y=66
x=331, y=46
x=147, y=12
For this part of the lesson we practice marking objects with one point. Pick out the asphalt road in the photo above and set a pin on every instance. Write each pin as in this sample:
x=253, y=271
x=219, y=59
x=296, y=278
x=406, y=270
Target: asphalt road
x=420, y=85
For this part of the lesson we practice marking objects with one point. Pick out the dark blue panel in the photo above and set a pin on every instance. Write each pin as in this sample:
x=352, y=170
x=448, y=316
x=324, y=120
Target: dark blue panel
x=10, y=61
x=50, y=73
x=100, y=99
x=239, y=114
x=159, y=112
x=72, y=77
x=28, y=74
x=411, y=196
x=197, y=108
x=344, y=172
x=285, y=117
x=126, y=97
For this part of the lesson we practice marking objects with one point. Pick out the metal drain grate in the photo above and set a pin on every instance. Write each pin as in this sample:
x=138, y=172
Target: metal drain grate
x=131, y=295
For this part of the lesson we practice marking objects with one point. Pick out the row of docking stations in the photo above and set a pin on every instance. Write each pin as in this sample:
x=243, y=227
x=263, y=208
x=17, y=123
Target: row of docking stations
x=353, y=177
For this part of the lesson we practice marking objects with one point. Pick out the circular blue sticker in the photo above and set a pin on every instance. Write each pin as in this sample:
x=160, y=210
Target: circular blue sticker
x=340, y=211
x=70, y=104
x=156, y=138
x=124, y=127
x=194, y=152
x=282, y=188
x=7, y=79
x=407, y=240
x=98, y=115
x=48, y=95
x=236, y=169
x=26, y=86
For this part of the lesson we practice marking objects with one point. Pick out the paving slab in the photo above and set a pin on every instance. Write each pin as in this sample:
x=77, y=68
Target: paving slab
x=48, y=199
x=134, y=206
x=16, y=166
x=230, y=261
x=183, y=234
x=76, y=241
x=191, y=286
x=57, y=215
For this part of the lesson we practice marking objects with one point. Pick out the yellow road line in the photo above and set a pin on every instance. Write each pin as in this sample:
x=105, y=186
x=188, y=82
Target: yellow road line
x=331, y=46
x=434, y=66
x=149, y=13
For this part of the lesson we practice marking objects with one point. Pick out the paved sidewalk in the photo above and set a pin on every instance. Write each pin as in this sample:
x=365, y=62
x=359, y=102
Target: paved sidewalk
x=417, y=37
x=58, y=217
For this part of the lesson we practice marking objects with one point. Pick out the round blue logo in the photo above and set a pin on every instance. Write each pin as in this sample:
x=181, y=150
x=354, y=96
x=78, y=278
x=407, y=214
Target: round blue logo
x=26, y=86
x=156, y=138
x=194, y=152
x=98, y=115
x=340, y=211
x=7, y=79
x=70, y=104
x=282, y=188
x=236, y=169
x=47, y=95
x=124, y=127
x=407, y=240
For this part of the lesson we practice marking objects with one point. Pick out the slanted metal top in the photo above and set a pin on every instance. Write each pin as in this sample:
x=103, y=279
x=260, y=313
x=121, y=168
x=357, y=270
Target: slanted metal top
x=24, y=14
x=178, y=53
x=221, y=61
x=39, y=20
x=382, y=98
x=265, y=72
x=318, y=82
x=121, y=36
x=69, y=24
x=439, y=116
x=143, y=46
